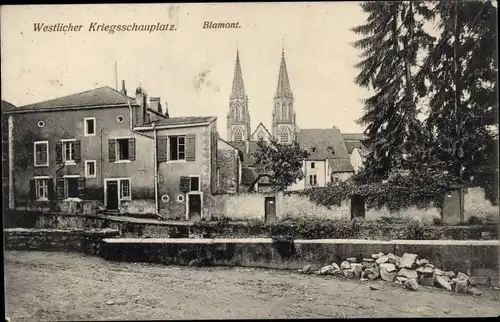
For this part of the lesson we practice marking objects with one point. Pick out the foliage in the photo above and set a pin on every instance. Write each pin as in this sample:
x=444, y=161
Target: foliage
x=399, y=191
x=333, y=194
x=454, y=85
x=281, y=163
x=391, y=40
x=461, y=72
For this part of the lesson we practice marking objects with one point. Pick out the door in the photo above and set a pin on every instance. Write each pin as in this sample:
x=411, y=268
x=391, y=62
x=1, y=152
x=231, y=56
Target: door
x=270, y=209
x=194, y=207
x=112, y=195
x=357, y=207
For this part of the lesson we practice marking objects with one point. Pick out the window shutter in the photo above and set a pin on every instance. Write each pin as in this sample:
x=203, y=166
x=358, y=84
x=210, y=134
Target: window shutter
x=50, y=189
x=185, y=184
x=131, y=149
x=78, y=151
x=111, y=150
x=60, y=188
x=32, y=189
x=190, y=147
x=81, y=188
x=162, y=148
x=59, y=158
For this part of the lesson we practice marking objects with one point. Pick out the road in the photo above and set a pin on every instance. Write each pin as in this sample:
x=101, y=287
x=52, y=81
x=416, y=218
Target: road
x=45, y=286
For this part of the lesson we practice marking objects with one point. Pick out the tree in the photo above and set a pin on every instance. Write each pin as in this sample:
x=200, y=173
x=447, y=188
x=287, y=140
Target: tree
x=459, y=76
x=281, y=163
x=391, y=40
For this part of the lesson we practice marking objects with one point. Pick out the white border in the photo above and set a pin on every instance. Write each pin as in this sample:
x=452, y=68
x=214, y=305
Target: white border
x=117, y=150
x=34, y=153
x=85, y=129
x=168, y=148
x=191, y=193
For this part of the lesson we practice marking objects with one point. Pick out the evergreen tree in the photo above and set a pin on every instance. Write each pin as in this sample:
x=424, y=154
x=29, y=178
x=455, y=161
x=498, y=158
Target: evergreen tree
x=459, y=76
x=391, y=40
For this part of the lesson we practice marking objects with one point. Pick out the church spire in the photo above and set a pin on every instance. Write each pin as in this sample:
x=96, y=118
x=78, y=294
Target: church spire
x=283, y=89
x=238, y=87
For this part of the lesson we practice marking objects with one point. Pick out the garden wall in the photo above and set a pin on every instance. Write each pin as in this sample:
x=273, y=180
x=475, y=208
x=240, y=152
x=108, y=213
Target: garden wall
x=70, y=240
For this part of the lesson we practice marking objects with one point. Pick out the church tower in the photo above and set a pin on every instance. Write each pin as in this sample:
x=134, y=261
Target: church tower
x=238, y=117
x=284, y=125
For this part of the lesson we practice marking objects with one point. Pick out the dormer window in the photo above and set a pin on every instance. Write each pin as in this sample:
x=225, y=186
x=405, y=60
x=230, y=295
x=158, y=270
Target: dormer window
x=313, y=149
x=331, y=149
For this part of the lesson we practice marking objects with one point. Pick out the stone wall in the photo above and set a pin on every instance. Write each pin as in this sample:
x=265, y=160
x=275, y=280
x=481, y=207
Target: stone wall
x=475, y=204
x=479, y=258
x=227, y=171
x=294, y=206
x=70, y=240
x=246, y=206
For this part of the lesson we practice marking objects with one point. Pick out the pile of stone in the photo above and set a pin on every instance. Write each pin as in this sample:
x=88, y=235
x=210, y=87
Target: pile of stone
x=408, y=270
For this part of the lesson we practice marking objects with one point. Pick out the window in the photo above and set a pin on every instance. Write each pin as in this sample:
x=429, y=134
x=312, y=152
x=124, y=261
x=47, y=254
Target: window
x=283, y=135
x=312, y=180
x=120, y=119
x=123, y=151
x=313, y=165
x=238, y=134
x=69, y=151
x=42, y=188
x=41, y=123
x=238, y=112
x=41, y=154
x=90, y=168
x=194, y=183
x=90, y=126
x=335, y=180
x=125, y=189
x=283, y=112
x=71, y=188
x=177, y=147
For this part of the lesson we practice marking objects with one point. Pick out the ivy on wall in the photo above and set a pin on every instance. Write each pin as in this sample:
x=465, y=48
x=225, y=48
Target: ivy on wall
x=400, y=191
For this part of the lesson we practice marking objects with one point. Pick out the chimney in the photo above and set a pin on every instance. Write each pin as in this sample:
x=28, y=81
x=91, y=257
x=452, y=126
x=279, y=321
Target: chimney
x=155, y=104
x=140, y=113
x=166, y=110
x=123, y=90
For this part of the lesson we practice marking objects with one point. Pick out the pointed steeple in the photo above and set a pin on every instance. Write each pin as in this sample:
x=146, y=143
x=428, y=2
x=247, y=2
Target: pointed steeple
x=283, y=89
x=238, y=87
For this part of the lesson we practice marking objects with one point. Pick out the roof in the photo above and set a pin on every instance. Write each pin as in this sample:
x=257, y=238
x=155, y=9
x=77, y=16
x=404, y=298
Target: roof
x=326, y=144
x=340, y=165
x=183, y=120
x=283, y=89
x=240, y=153
x=248, y=158
x=103, y=96
x=353, y=136
x=238, y=86
x=6, y=106
x=261, y=125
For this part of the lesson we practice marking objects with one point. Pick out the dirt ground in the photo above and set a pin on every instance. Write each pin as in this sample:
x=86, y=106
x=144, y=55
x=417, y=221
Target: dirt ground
x=44, y=286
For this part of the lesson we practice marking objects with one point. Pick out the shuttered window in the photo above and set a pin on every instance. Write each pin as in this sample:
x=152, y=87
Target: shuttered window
x=41, y=153
x=185, y=184
x=177, y=148
x=121, y=149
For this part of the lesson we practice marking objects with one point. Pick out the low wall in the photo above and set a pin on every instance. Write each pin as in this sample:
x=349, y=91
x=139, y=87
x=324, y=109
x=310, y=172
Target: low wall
x=70, y=240
x=477, y=258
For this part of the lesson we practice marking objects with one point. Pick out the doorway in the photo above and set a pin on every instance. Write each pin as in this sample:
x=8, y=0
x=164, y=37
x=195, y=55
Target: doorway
x=270, y=209
x=357, y=206
x=194, y=206
x=112, y=195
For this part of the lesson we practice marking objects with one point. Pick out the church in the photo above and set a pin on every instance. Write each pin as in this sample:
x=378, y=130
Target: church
x=330, y=159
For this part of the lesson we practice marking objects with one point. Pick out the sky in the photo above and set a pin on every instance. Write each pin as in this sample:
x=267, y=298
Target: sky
x=191, y=68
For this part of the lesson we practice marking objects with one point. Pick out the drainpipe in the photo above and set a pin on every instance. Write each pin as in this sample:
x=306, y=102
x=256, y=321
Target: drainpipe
x=155, y=169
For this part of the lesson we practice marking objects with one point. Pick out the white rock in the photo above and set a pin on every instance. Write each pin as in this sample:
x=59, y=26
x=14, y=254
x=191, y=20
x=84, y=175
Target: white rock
x=408, y=273
x=408, y=260
x=441, y=282
x=345, y=265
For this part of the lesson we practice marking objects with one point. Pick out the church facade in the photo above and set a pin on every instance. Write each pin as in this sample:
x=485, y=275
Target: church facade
x=329, y=158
